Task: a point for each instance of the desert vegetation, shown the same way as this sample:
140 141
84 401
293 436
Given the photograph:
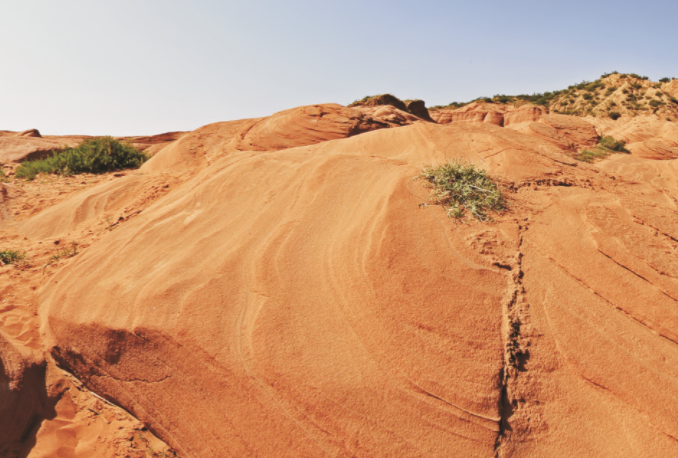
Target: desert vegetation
461 187
97 155
8 256
605 147
612 95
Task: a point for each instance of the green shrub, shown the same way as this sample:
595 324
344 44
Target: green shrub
453 105
12 256
655 103
96 155
665 80
29 170
673 99
634 75
614 145
581 85
615 115
459 187
606 146
358 102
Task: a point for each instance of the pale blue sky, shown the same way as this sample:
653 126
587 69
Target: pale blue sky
149 66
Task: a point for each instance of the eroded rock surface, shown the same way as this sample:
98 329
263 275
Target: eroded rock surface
281 287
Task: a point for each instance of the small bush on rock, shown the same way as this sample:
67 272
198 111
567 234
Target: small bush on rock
613 145
461 187
606 146
12 256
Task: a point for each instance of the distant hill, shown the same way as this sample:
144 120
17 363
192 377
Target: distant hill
611 95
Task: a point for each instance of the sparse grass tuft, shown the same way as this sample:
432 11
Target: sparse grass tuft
65 253
97 155
461 187
590 156
12 256
69 252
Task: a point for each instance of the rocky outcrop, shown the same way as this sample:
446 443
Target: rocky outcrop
526 113
418 108
287 129
380 100
18 148
473 112
413 107
153 143
30 133
568 132
493 113
30 145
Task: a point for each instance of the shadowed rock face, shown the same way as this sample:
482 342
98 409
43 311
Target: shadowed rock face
23 399
418 108
280 287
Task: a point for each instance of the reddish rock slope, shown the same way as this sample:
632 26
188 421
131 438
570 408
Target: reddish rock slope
300 126
280 287
302 303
